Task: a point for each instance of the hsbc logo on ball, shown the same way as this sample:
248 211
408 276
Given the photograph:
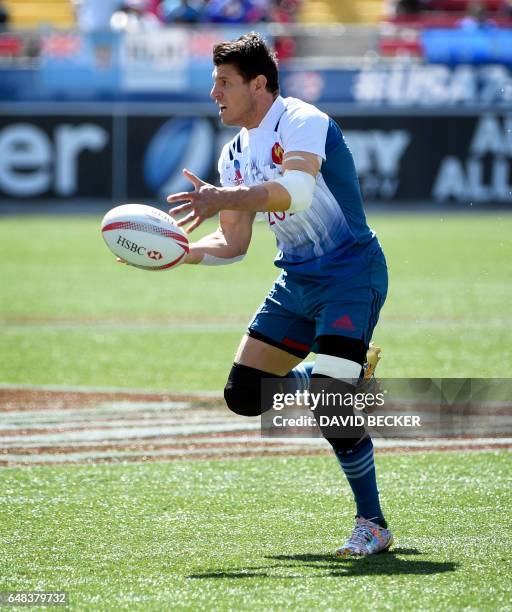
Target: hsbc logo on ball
155 255
46 156
133 247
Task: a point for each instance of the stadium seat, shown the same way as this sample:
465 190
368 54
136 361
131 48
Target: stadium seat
370 11
333 11
401 43
461 6
10 46
35 13
316 11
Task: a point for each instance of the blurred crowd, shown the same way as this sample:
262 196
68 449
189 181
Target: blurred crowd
93 15
4 17
477 11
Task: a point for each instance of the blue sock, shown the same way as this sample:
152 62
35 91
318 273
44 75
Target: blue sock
359 468
302 374
357 464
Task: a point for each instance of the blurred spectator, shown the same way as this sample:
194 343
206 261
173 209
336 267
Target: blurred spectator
283 11
477 16
261 10
153 6
284 47
235 11
227 11
94 15
133 17
410 7
184 12
507 8
4 17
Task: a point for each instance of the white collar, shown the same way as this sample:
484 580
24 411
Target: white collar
273 115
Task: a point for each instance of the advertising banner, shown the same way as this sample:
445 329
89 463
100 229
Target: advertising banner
474 44
465 160
175 65
173 61
55 157
403 85
78 66
158 148
155 62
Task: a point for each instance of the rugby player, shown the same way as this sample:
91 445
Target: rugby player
290 162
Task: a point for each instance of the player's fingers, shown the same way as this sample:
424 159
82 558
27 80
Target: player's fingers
184 196
195 180
190 217
194 225
176 211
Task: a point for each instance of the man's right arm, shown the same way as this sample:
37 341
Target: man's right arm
226 245
231 240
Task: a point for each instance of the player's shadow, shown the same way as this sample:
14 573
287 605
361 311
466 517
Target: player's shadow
385 564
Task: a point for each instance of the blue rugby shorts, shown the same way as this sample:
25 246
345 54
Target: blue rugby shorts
298 309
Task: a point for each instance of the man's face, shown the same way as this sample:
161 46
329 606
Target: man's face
233 96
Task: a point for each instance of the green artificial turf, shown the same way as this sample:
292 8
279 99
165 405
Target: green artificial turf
69 315
258 534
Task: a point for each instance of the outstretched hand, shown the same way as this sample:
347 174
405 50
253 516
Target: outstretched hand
200 204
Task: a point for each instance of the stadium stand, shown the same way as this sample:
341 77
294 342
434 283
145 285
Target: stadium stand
445 13
333 11
36 13
401 32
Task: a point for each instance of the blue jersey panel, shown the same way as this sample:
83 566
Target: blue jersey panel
340 175
352 243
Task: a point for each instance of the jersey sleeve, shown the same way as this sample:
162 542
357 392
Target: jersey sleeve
304 128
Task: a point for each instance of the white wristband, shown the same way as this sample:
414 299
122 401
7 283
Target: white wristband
213 260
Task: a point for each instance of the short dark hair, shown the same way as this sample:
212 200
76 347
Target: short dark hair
251 56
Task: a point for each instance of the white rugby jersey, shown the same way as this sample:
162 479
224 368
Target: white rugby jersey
334 226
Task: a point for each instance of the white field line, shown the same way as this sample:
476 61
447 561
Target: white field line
164 427
162 424
176 440
282 445
69 457
69 437
439 442
383 443
165 441
138 408
109 423
109 426
123 390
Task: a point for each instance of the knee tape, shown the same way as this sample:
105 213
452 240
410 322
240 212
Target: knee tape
339 357
337 368
243 390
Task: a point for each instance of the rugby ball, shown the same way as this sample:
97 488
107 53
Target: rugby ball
144 237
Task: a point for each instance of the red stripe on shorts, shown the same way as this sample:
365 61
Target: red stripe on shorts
298 346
